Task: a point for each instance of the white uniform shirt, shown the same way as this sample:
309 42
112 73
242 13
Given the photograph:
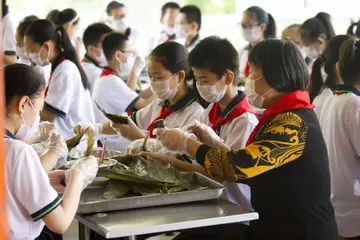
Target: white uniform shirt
192 44
340 123
67 98
45 70
113 95
185 112
235 134
30 196
92 71
320 100
9 30
161 38
243 59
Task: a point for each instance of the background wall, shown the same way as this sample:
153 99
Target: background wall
220 17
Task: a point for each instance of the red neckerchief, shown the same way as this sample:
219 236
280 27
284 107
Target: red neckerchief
47 89
163 114
292 101
107 72
170 38
216 120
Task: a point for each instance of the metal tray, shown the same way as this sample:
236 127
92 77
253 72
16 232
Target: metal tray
91 199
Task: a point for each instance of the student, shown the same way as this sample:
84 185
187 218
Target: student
67 98
351 31
292 198
256 25
69 19
315 33
32 200
340 121
94 59
8 35
176 101
325 77
190 25
169 15
229 115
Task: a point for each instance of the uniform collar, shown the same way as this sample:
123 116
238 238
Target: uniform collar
343 88
183 103
9 134
89 59
108 71
192 42
59 59
248 47
230 107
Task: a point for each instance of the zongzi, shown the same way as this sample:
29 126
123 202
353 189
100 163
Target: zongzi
73 142
115 118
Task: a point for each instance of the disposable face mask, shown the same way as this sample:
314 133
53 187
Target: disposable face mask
126 67
255 99
121 24
35 58
25 132
162 90
311 52
101 59
169 30
210 93
252 35
22 53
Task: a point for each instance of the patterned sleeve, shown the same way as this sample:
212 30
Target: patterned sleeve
279 142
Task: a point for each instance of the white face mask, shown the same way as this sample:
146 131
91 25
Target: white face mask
255 99
252 35
210 93
121 24
162 90
169 30
101 59
25 132
126 67
311 52
35 58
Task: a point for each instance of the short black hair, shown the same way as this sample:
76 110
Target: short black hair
60 18
282 64
217 55
317 26
113 5
24 24
22 80
192 13
94 32
349 62
169 5
113 42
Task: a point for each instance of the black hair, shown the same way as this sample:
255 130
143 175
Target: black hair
264 18
5 8
113 42
317 26
113 5
328 60
24 24
60 18
222 57
42 30
94 32
349 62
22 80
282 64
168 5
173 56
350 30
193 14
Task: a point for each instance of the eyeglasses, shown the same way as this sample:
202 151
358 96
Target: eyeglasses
130 53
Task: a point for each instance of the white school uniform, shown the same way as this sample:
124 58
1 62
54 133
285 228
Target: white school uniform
243 59
45 70
320 100
161 38
67 98
8 37
30 196
235 134
113 95
340 124
92 70
192 44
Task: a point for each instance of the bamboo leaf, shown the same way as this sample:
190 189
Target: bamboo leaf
115 118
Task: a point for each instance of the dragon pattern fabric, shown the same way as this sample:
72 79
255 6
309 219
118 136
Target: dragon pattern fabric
277 143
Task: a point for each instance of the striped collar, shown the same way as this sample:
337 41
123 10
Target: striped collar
343 89
108 71
192 42
183 103
8 134
88 59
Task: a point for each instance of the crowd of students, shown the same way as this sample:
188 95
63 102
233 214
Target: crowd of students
286 147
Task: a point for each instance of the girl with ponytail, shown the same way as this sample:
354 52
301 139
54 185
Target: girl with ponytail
67 98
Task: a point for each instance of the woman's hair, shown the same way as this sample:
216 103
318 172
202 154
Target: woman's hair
60 18
22 80
317 26
42 31
173 56
350 30
328 60
264 18
349 62
282 64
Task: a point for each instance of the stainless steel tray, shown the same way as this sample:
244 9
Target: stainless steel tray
91 199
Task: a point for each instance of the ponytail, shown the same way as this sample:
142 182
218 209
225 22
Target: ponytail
317 82
350 30
325 19
264 18
317 26
270 31
349 62
60 18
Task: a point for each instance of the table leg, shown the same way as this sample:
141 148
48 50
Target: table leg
81 228
132 237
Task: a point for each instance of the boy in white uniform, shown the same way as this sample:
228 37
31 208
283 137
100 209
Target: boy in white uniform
94 59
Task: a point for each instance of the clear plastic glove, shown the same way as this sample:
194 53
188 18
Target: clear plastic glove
139 65
174 139
84 170
152 145
56 180
44 130
129 131
95 128
204 133
56 143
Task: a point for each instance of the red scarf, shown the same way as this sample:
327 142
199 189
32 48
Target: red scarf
47 89
247 67
163 114
107 72
292 101
217 121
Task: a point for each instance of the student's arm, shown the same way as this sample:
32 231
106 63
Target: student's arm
47 115
141 103
146 93
49 160
9 59
134 76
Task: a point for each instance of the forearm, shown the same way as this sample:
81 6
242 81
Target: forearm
48 160
132 81
47 115
187 167
192 147
146 93
9 59
107 129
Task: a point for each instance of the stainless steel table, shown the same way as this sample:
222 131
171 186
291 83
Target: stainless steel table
130 223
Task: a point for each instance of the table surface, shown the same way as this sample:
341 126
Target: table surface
166 218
